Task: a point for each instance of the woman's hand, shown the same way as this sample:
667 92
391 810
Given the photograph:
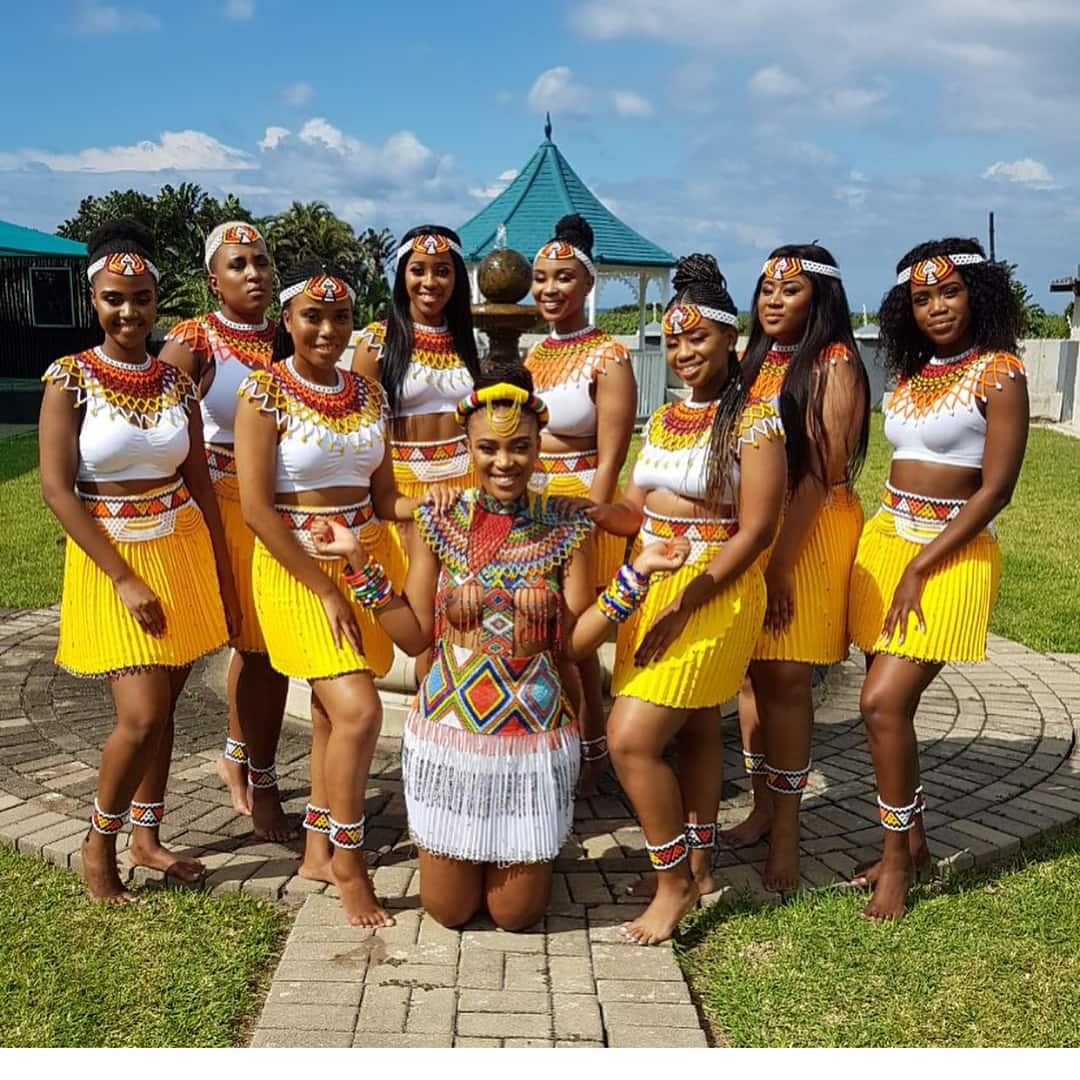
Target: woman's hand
780 588
906 601
570 505
234 617
662 556
332 538
669 624
342 619
143 603
441 497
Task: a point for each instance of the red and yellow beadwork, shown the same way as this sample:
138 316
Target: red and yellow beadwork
938 388
556 361
209 336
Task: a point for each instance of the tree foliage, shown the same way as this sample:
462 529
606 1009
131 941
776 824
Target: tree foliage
1037 321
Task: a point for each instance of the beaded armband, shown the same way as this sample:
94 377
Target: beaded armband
624 595
370 586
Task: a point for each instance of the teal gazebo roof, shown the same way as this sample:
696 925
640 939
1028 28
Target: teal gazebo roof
19 240
546 189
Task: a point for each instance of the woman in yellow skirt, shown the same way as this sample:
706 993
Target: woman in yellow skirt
146 570
927 570
711 469
802 355
587 383
219 350
311 441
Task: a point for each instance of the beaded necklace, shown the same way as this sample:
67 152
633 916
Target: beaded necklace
774 369
957 381
682 425
253 346
573 357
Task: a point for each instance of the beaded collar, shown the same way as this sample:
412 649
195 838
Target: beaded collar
433 346
774 368
575 357
122 365
682 424
314 387
242 327
954 382
214 335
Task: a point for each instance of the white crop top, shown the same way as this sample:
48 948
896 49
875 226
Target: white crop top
564 370
674 454
135 420
934 415
235 350
436 379
328 437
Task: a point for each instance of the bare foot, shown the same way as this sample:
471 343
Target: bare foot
269 821
658 921
316 870
591 771
752 830
781 872
702 875
357 896
149 851
865 875
234 776
99 870
890 892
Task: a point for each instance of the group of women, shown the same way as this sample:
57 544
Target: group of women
247 488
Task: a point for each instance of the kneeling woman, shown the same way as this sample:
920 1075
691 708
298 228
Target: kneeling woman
122 468
928 566
711 469
505 585
310 440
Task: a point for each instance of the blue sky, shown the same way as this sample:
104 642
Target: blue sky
727 128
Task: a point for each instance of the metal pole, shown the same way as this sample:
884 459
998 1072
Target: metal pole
993 255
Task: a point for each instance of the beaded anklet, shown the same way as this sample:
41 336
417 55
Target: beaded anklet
349 837
624 594
754 763
594 749
897 818
262 778
107 824
317 819
667 855
700 835
786 781
235 751
148 815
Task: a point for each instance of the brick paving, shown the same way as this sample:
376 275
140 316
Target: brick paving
1000 768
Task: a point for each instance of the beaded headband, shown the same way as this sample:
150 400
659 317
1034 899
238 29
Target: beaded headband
322 287
427 244
124 263
931 271
231 232
506 422
560 249
785 267
683 317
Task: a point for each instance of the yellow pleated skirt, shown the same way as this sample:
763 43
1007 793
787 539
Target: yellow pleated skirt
818 634
293 619
174 557
240 541
706 664
956 602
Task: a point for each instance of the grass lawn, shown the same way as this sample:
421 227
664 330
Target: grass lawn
179 969
978 961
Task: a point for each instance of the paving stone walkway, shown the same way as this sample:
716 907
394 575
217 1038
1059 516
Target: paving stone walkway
1000 767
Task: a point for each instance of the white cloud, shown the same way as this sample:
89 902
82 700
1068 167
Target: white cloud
503 97
273 136
853 103
91 18
240 10
774 81
182 150
297 94
496 187
1026 171
556 91
632 105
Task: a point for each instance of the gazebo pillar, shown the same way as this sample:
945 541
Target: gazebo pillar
643 286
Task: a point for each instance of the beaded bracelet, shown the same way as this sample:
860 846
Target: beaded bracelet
624 595
370 586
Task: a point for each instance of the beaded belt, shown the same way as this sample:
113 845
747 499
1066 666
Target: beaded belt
221 462
429 462
705 534
919 518
132 518
579 463
300 518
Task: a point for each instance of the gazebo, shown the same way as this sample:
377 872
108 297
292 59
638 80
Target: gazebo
546 189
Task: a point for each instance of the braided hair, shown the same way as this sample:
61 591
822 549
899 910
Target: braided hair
398 347
996 314
301 271
698 280
802 398
120 234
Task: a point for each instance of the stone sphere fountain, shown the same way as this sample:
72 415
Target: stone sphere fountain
504 277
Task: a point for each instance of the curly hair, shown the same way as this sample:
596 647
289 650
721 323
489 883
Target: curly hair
995 311
698 280
802 398
301 271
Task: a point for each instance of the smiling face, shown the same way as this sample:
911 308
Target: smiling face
943 313
320 331
241 275
560 288
126 307
700 355
783 308
503 463
429 283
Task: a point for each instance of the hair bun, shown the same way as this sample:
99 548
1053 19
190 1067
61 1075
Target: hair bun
697 269
576 231
121 234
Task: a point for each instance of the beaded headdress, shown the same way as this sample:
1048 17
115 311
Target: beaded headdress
427 244
323 287
506 421
785 267
124 263
934 270
560 249
230 232
683 317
